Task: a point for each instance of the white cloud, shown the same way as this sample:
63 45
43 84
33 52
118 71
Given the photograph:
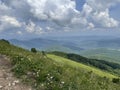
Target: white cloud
30 27
104 19
39 30
79 22
101 4
41 16
97 11
19 32
8 22
57 11
49 28
3 8
86 10
90 26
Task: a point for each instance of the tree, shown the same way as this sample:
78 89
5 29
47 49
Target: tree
33 50
43 54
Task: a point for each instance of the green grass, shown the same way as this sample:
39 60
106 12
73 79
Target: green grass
55 73
80 65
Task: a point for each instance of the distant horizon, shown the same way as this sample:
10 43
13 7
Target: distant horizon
49 37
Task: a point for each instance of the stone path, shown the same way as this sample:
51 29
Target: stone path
7 80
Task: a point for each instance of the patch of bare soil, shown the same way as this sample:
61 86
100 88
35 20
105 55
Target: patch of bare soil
7 79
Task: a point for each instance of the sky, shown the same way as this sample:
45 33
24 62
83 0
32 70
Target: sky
35 18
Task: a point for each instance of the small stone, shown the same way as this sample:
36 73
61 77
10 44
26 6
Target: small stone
7 78
9 84
13 84
16 81
3 70
1 87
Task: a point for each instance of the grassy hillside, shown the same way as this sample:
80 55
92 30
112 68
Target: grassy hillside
56 73
101 64
80 65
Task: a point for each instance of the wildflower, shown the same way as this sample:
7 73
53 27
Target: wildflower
51 77
42 85
62 82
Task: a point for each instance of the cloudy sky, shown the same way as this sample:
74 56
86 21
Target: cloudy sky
34 18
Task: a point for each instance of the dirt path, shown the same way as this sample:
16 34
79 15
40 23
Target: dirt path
7 80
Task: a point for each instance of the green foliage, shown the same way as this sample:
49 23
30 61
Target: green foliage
116 80
53 72
21 65
33 50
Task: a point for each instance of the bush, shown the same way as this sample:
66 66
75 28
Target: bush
21 65
115 80
33 50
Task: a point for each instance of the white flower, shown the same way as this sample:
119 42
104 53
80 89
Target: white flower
62 82
51 77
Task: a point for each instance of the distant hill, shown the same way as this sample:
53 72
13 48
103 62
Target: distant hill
70 44
47 44
91 42
112 55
